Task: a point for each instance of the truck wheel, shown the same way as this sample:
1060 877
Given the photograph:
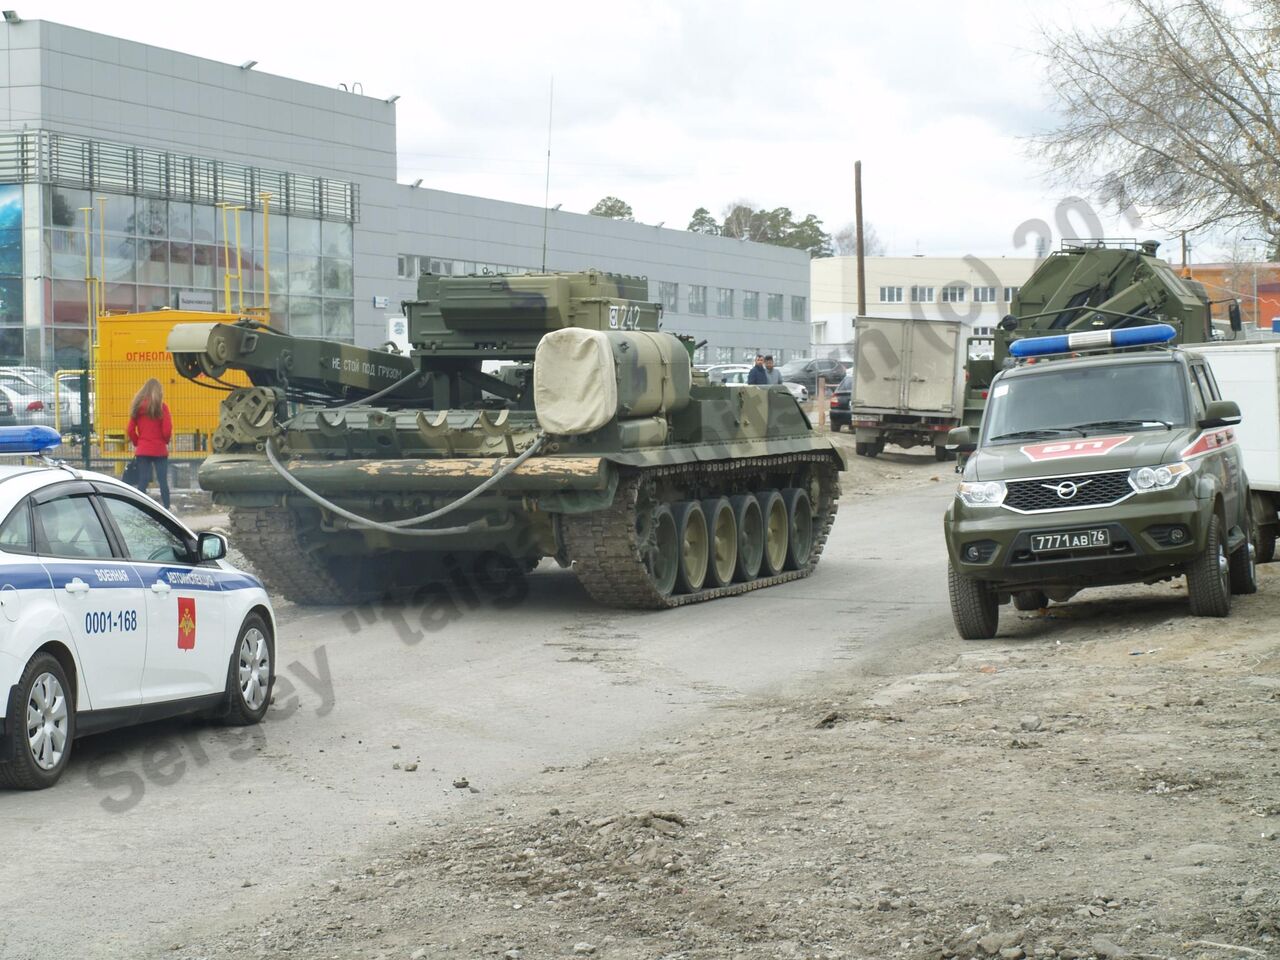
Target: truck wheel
974 606
860 448
1208 577
835 426
1030 600
1266 539
1242 565
874 449
941 454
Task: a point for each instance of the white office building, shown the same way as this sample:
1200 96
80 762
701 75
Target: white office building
972 290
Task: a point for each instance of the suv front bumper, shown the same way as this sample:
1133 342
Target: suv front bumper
1148 533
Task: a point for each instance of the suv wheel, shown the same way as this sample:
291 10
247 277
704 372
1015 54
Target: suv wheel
1208 576
974 606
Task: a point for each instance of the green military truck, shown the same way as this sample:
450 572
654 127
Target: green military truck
1115 462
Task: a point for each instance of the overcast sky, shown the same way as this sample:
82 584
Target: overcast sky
674 106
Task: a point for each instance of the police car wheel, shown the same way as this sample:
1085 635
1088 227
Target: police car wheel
39 748
1208 578
251 674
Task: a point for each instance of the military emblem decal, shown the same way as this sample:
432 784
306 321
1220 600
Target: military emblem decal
186 623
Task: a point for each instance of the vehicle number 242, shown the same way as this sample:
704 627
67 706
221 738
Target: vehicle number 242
624 318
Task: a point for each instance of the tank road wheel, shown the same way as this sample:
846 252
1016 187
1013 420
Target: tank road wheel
1208 576
975 608
799 527
723 530
691 534
662 551
774 511
750 522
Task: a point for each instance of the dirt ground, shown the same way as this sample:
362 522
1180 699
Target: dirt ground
1100 783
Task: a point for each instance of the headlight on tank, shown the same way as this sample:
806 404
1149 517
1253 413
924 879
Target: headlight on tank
1148 479
985 493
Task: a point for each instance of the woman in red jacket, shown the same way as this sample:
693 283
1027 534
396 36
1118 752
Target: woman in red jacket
150 428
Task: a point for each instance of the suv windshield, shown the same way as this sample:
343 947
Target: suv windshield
1080 400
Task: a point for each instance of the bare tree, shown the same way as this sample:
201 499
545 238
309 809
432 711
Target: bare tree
1174 108
845 241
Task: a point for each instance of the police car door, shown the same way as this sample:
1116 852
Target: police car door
189 650
99 594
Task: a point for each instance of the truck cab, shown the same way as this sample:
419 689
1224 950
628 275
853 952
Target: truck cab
1102 458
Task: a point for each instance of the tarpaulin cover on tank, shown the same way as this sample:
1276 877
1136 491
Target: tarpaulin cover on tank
575 389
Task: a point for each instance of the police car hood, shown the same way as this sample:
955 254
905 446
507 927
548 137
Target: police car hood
1067 456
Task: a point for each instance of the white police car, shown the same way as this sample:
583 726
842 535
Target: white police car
113 613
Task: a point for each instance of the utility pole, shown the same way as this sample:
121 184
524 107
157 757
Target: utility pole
861 248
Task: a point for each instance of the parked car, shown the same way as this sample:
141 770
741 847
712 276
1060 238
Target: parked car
807 372
31 405
120 615
739 378
47 384
840 413
722 372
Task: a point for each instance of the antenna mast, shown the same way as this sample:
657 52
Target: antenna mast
546 193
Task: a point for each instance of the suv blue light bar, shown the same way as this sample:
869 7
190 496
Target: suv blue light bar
28 439
1143 336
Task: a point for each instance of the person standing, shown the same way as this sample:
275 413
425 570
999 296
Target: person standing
775 376
150 428
758 376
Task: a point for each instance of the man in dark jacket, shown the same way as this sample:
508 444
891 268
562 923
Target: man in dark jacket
758 376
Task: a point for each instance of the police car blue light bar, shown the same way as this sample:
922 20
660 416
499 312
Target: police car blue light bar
1143 336
35 439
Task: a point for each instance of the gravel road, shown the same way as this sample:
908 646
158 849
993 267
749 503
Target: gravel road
816 770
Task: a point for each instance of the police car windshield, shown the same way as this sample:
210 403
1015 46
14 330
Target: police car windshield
1087 399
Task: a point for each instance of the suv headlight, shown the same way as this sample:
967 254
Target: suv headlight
985 493
1147 479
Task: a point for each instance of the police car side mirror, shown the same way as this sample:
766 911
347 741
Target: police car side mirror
1220 413
962 440
211 546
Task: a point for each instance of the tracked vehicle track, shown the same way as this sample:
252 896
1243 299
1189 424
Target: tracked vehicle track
606 548
273 539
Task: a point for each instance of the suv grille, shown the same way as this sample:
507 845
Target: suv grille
1090 490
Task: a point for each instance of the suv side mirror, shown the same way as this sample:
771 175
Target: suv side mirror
962 440
211 546
1220 413
1233 316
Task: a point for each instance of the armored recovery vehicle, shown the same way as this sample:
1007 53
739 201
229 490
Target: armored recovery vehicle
1093 286
534 416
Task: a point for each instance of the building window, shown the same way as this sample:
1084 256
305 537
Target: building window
984 294
820 332
798 312
953 294
890 294
775 306
724 354
404 270
751 304
700 354
984 331
1010 293
749 354
698 299
724 303
922 294
669 295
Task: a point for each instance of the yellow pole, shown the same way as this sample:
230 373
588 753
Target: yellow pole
102 253
239 265
88 265
266 254
226 261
